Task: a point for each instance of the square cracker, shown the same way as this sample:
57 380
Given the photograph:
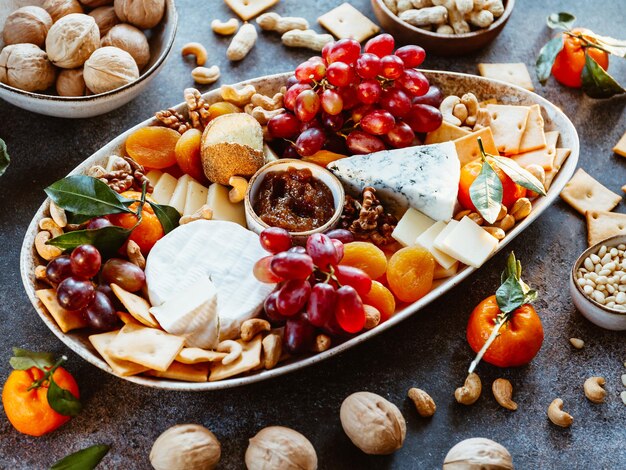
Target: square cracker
602 225
467 147
124 368
543 156
584 194
186 372
445 133
559 159
196 355
508 124
149 347
515 73
534 137
345 22
247 9
250 358
137 306
66 319
620 147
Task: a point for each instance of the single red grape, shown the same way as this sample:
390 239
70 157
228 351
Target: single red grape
325 50
412 56
307 105
413 81
392 67
355 277
292 93
291 265
98 222
284 126
378 122
400 136
58 269
344 50
125 274
380 45
271 310
293 296
341 234
74 293
310 141
291 152
339 249
396 101
310 70
368 91
321 305
360 111
340 74
424 118
263 271
321 249
292 80
100 313
334 123
275 240
348 95
368 66
432 97
332 102
299 335
360 142
85 261
349 312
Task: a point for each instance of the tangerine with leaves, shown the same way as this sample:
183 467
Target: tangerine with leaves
149 230
569 63
410 273
511 191
153 146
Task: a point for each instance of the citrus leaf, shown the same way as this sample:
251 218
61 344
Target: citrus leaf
486 193
546 58
107 239
597 83
167 215
562 20
4 157
61 400
85 459
510 295
519 175
512 268
614 46
23 359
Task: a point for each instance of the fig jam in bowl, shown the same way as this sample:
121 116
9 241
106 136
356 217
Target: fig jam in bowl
301 197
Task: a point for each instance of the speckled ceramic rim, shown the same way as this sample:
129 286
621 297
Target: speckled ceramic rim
610 243
454 83
508 9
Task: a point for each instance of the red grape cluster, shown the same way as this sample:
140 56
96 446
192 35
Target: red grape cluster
315 293
349 101
76 291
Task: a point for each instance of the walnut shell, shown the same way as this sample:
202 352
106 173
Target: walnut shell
478 452
26 66
72 39
70 82
109 68
372 423
27 24
129 39
280 448
60 8
105 19
144 14
186 447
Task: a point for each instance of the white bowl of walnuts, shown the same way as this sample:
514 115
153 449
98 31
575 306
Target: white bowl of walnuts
81 58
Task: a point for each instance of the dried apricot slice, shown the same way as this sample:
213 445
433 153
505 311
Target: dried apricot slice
381 298
222 107
410 273
365 256
153 147
188 154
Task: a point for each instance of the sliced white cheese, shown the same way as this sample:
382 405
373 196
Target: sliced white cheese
427 240
441 273
180 193
154 176
437 243
192 314
223 209
469 243
164 189
196 197
412 224
223 251
424 177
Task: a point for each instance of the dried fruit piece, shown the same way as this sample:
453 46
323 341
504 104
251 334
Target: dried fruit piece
381 298
365 256
153 147
410 273
188 154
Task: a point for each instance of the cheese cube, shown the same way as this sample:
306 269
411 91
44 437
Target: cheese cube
180 193
443 234
223 209
441 273
469 243
196 197
153 176
427 239
412 224
164 189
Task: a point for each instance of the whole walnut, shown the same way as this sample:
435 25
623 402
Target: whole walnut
26 66
70 82
72 39
27 24
186 447
129 39
280 448
144 14
105 19
60 8
96 3
109 68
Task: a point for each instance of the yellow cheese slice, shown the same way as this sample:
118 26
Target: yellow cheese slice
164 189
223 209
196 197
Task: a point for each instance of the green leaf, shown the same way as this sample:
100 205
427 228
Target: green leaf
107 239
510 295
4 157
486 193
77 219
87 196
547 56
62 401
85 459
23 359
168 216
562 20
597 83
614 46
518 174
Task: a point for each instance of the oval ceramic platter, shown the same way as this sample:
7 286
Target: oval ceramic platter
450 83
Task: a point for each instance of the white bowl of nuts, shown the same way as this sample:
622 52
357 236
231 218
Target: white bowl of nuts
78 59
598 283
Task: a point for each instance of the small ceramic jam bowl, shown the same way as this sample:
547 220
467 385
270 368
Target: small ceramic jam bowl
594 311
257 225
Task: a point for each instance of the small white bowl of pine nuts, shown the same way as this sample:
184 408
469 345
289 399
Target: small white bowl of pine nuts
598 283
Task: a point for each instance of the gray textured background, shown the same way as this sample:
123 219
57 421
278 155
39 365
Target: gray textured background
429 350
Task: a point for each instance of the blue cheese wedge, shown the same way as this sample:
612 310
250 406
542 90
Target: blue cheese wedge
425 177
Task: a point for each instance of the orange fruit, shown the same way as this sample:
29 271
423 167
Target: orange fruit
148 232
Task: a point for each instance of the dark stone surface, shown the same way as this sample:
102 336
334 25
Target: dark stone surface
429 350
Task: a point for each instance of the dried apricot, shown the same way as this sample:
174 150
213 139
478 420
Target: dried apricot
365 256
323 157
222 107
153 147
381 298
410 273
188 154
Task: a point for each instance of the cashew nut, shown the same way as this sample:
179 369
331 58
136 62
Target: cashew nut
372 317
503 393
461 214
58 214
239 97
262 115
593 389
447 109
206 75
307 38
577 343
196 49
521 208
238 192
495 232
507 223
322 343
134 254
41 275
476 218
538 172
281 24
252 327
204 213
242 42
225 28
272 350
471 103
470 391
558 416
460 112
233 348
483 119
50 225
266 102
424 404
436 15
47 252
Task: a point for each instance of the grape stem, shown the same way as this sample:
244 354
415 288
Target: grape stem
47 374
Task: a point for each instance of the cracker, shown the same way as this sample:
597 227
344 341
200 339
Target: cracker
508 124
543 156
124 368
534 137
149 347
196 355
467 147
186 372
66 319
559 159
620 147
247 9
445 133
584 194
602 225
515 73
345 22
137 306
127 318
249 359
